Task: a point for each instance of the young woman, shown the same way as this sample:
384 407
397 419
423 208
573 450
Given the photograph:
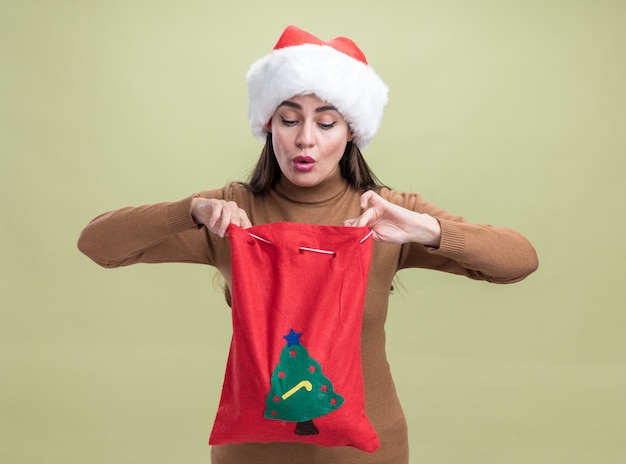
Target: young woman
316 104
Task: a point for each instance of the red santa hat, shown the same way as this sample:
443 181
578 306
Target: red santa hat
335 70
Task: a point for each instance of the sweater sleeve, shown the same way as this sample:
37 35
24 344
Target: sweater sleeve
478 251
157 233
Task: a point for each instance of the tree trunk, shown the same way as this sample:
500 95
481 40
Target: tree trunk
306 428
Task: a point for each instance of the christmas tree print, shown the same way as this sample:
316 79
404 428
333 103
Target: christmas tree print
300 392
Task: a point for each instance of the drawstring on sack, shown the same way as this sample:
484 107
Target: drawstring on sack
367 236
260 238
315 250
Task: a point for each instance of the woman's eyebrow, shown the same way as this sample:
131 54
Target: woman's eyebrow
290 104
321 109
297 106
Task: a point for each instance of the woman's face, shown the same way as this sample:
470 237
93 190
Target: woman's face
309 137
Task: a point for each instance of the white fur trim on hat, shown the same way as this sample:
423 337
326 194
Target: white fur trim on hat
333 76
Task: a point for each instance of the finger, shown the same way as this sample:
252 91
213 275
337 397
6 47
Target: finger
244 220
364 219
215 213
368 198
236 217
226 219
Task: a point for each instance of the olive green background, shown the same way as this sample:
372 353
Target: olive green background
508 112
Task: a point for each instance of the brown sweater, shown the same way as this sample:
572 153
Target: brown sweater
166 232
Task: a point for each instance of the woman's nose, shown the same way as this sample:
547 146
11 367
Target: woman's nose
305 137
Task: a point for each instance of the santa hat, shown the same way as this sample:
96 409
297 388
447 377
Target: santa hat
336 71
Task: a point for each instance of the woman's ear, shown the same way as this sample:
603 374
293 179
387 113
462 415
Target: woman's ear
269 126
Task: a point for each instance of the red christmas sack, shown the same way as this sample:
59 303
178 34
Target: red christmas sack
294 367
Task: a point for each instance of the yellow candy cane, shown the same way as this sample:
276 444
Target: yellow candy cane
304 384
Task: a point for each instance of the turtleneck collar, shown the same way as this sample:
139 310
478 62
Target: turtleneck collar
323 192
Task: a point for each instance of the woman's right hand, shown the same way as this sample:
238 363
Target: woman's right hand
218 214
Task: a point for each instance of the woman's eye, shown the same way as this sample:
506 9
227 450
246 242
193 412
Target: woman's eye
288 122
327 125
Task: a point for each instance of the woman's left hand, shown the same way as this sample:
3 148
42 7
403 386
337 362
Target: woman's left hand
394 224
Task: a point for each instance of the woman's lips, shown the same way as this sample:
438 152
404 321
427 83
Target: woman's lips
303 163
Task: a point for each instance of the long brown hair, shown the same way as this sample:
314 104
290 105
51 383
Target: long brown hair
352 166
